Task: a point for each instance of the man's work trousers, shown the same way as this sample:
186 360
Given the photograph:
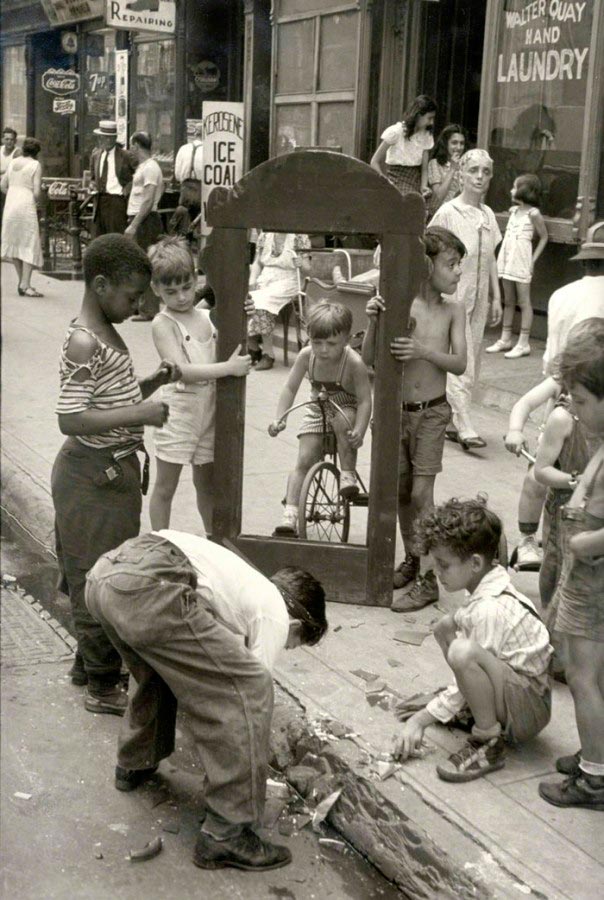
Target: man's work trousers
144 595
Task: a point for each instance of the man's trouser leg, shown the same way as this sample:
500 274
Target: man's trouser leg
88 521
144 593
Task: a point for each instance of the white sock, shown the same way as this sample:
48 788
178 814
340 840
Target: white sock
592 768
523 339
291 510
485 734
506 335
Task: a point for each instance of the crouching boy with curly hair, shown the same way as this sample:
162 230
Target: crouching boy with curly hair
495 643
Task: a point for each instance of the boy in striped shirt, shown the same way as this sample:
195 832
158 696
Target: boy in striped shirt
495 643
96 477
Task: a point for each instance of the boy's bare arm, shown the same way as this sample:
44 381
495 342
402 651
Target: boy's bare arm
373 309
558 428
549 389
290 389
362 391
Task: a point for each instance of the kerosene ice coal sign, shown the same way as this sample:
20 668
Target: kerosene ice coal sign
142 15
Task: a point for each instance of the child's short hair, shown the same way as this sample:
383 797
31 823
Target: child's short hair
143 139
582 360
115 256
326 319
171 260
305 601
463 526
437 239
528 189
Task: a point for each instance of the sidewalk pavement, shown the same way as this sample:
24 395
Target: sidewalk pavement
490 838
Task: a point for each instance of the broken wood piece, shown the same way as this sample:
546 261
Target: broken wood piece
149 851
323 809
366 676
414 636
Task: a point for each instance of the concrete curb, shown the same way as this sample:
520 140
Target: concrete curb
392 840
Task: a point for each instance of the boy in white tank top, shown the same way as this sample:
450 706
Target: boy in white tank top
184 333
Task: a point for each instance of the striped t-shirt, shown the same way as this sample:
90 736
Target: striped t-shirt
111 383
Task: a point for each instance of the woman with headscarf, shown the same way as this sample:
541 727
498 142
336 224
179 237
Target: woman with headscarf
475 225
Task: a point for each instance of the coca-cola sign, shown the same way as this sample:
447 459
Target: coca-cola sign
60 81
60 188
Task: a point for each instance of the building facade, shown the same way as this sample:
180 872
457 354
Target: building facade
524 78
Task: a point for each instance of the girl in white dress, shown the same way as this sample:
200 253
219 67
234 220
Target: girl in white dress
516 262
22 184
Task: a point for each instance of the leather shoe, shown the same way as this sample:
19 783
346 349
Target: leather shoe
129 779
243 851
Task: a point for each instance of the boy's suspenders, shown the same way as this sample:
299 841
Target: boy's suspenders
526 606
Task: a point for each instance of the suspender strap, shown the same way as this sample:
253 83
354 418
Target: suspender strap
527 606
192 169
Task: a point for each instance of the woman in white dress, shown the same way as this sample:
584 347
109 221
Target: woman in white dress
273 284
22 184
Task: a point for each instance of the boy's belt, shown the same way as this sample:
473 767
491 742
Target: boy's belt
424 404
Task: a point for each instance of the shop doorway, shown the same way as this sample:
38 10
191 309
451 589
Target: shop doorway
53 129
451 39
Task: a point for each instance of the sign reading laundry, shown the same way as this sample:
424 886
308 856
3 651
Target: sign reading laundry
142 15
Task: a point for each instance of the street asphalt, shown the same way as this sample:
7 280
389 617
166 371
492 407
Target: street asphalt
496 831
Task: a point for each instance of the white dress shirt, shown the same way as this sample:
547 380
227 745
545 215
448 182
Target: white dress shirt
184 159
242 598
113 185
573 303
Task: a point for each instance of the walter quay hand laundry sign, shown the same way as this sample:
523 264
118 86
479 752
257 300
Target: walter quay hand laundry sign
142 15
546 40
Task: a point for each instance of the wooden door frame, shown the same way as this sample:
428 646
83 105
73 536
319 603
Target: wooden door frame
316 191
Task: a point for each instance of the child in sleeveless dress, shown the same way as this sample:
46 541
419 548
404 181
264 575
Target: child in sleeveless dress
580 617
185 334
331 366
516 262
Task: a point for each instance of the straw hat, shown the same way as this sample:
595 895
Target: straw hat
593 245
107 128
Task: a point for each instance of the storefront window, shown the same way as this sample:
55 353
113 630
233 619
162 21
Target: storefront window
293 128
316 71
99 86
153 97
539 101
14 89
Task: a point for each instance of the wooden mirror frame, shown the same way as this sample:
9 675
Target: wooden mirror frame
321 192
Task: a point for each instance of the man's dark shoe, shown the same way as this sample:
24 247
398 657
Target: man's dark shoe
130 779
580 790
569 765
244 851
423 592
77 673
113 700
406 572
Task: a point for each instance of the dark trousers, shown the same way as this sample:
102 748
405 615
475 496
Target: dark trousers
110 215
148 233
89 520
143 594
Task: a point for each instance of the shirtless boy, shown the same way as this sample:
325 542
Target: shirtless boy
435 344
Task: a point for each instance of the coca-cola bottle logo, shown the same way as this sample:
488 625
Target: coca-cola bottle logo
60 81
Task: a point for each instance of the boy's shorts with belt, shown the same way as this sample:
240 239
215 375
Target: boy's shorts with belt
423 436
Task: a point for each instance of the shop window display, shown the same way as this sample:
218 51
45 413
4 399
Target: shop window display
153 97
14 88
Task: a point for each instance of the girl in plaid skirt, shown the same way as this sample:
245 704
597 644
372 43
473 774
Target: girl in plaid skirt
406 145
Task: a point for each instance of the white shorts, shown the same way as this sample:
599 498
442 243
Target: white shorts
188 435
